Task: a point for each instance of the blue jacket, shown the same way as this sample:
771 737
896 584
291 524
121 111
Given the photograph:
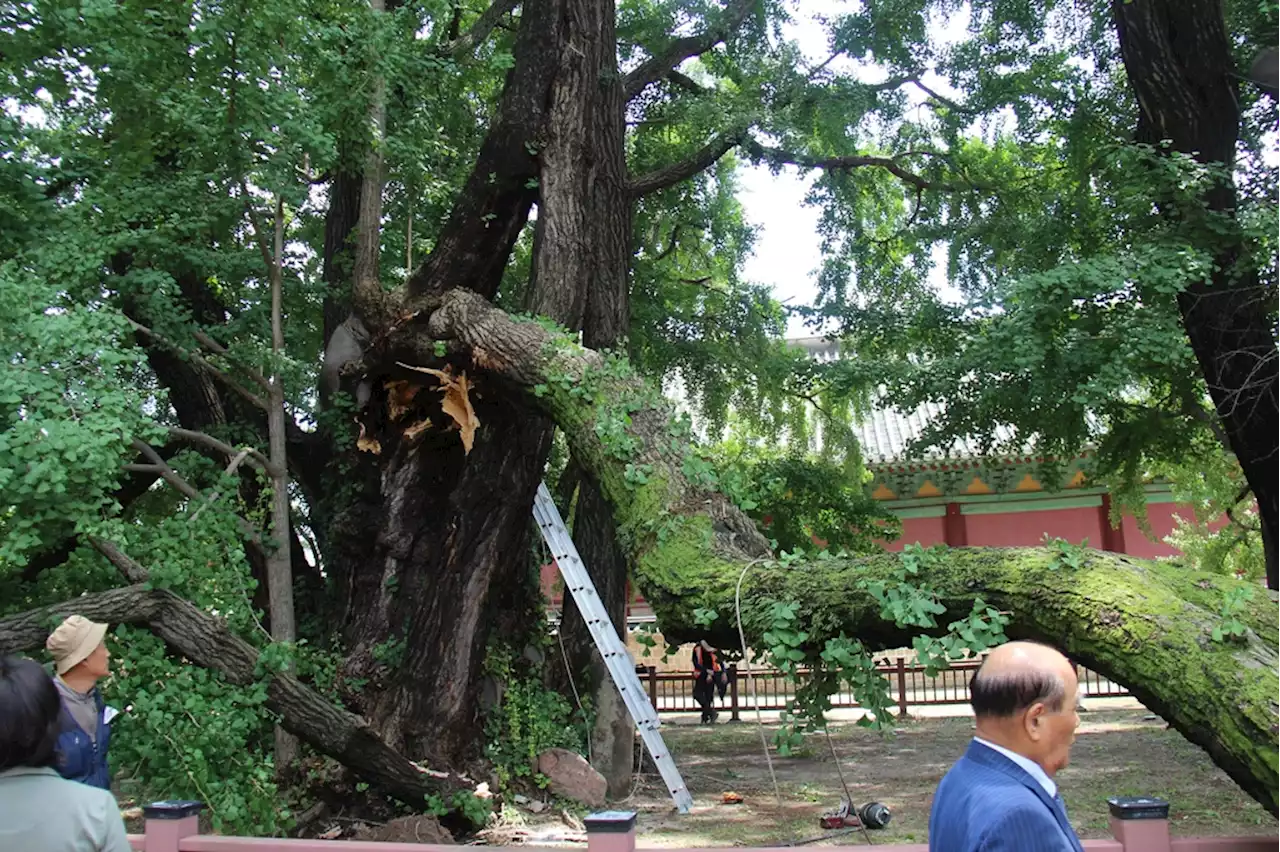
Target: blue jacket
81 757
987 803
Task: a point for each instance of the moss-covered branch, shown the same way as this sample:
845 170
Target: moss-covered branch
661 491
1148 626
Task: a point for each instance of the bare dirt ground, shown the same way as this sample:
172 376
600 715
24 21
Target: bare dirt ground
1117 753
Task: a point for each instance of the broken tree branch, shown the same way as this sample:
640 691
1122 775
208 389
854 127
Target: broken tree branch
942 99
1147 625
132 571
255 457
200 360
776 156
686 82
218 349
161 468
206 641
130 489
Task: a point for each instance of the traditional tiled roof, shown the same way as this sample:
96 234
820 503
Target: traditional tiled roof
886 433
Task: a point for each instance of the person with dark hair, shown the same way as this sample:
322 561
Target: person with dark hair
1001 796
39 810
707 674
81 659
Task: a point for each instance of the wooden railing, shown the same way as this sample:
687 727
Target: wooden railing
672 692
174 827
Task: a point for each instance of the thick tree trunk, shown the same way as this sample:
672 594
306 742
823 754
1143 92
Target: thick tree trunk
452 530
443 571
1144 625
475 243
1178 59
449 530
605 255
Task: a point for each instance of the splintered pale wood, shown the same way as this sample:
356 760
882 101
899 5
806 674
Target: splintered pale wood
457 402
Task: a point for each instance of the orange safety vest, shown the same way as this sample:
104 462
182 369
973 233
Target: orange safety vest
701 653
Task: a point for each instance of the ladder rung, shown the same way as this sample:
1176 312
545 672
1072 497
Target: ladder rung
608 642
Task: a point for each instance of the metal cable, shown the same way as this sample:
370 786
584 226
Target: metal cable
751 677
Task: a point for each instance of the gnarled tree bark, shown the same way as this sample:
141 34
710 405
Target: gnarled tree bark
1177 56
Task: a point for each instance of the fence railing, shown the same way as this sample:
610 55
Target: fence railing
174 827
909 685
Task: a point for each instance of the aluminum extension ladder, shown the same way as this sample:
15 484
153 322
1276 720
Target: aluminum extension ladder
616 660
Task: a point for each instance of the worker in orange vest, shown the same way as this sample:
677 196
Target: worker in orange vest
707 673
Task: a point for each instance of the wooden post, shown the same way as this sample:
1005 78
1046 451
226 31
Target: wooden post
167 823
902 688
733 693
653 687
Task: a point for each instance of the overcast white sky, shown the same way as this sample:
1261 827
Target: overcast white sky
787 252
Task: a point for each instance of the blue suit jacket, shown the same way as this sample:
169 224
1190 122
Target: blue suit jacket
987 803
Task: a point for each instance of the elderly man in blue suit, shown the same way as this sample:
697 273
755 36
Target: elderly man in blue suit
1001 796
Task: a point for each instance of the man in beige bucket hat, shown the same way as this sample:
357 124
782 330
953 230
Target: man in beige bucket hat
81 659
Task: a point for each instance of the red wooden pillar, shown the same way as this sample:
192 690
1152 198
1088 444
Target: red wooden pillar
1112 539
953 528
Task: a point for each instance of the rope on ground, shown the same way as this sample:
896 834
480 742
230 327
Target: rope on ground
751 677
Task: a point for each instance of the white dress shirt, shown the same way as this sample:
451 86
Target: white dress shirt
1032 768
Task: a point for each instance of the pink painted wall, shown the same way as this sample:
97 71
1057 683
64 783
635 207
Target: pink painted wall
1161 517
1029 528
923 531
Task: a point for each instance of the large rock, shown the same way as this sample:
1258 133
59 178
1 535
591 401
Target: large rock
572 777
